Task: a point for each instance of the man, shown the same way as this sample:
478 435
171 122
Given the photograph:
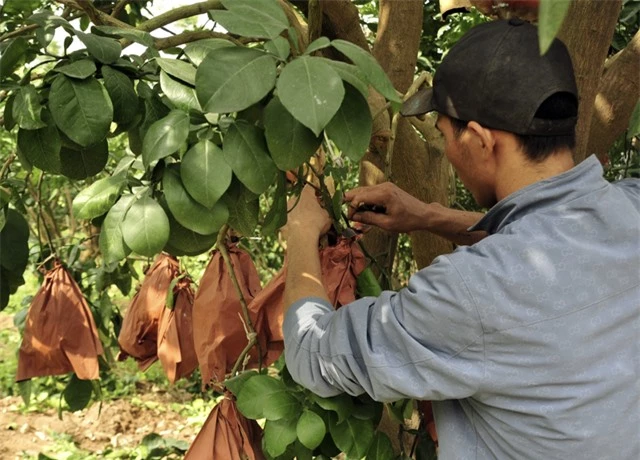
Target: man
528 340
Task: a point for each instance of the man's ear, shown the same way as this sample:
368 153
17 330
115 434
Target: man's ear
484 136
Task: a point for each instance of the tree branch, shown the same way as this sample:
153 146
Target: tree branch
179 13
188 37
617 97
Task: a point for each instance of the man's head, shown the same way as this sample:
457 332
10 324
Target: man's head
494 89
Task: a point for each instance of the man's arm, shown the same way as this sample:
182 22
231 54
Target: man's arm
404 213
306 222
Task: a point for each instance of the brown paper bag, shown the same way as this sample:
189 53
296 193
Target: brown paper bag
340 264
175 334
60 335
218 328
227 435
138 336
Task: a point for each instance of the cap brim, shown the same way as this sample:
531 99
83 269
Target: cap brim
419 103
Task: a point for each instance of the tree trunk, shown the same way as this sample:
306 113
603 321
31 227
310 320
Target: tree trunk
619 93
587 31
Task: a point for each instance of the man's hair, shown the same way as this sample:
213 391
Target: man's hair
537 148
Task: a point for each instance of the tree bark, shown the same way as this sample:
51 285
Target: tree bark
618 95
587 32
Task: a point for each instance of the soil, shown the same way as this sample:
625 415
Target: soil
120 424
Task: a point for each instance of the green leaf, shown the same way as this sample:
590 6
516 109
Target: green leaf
135 35
98 198
310 429
244 208
83 162
145 227
249 18
14 242
341 404
105 50
381 448
77 393
9 121
353 436
46 19
81 109
369 67
182 96
318 44
277 215
178 69
198 50
350 74
27 109
24 388
278 435
279 47
80 69
111 242
551 14
290 142
267 397
634 123
122 95
165 136
235 384
12 56
205 173
245 150
5 292
187 211
230 79
41 148
311 91
351 126
367 284
184 242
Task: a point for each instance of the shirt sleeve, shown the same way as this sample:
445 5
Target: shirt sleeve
424 341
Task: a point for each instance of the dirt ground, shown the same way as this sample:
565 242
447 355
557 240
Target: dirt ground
121 424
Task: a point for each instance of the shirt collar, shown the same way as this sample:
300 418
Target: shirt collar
549 192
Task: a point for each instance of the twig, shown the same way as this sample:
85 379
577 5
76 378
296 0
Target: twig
251 332
119 7
97 17
5 166
188 37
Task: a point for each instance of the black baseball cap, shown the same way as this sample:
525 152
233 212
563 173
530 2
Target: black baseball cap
496 76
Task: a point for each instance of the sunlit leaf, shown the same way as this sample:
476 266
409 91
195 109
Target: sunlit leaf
278 434
311 91
182 96
231 79
267 397
178 69
551 14
98 198
251 18
279 47
27 109
318 44
165 136
310 429
353 436
369 67
135 35
198 50
12 56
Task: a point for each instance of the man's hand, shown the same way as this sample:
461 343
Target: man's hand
306 216
397 210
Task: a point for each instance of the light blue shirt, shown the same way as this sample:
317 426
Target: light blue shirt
528 342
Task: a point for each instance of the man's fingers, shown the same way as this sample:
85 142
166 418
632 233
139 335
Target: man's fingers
371 218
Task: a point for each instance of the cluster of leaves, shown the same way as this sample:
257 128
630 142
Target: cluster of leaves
300 424
209 132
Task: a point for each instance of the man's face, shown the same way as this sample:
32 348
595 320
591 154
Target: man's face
463 153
